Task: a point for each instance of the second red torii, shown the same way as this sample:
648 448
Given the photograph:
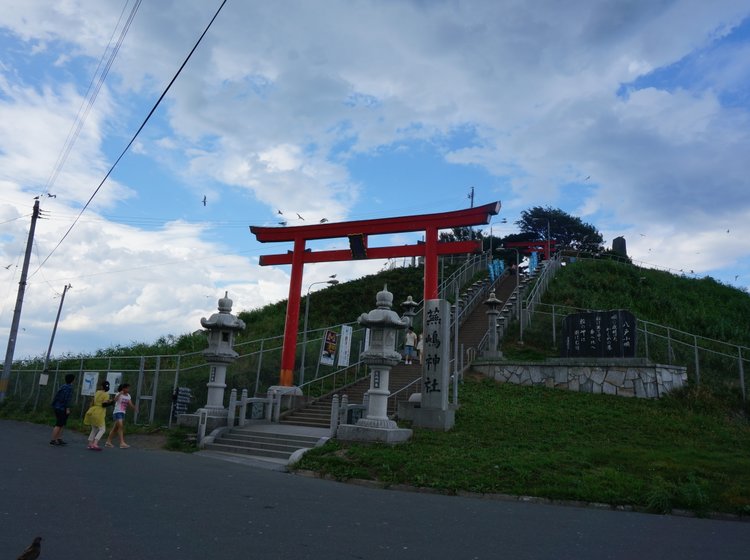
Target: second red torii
358 232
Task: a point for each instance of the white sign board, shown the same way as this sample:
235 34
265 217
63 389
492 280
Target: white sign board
345 345
90 380
114 378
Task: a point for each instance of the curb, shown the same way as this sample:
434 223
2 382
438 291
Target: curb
377 485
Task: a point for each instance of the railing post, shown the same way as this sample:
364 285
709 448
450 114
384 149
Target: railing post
697 363
334 415
232 408
138 387
742 372
645 338
243 408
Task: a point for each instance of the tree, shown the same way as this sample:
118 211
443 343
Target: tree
570 232
463 233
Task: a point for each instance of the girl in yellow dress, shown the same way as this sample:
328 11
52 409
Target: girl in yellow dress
95 415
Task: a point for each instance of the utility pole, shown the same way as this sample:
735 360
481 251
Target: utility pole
470 196
54 329
8 364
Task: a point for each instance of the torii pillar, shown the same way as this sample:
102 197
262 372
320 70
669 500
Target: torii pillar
358 233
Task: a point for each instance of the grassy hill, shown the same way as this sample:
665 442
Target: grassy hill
690 450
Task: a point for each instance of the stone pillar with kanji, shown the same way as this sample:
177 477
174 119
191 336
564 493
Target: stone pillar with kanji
434 411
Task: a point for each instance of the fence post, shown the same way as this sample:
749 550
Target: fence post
155 391
742 372
669 346
697 363
260 361
554 327
645 338
139 386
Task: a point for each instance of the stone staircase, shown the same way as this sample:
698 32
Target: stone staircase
475 327
268 442
318 413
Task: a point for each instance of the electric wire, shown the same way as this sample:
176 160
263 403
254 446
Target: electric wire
130 143
89 100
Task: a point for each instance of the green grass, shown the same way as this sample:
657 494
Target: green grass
656 455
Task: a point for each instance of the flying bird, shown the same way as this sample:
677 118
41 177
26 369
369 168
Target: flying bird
204 200
736 276
323 220
7 267
587 178
282 223
332 276
51 195
642 234
33 550
279 212
727 231
300 217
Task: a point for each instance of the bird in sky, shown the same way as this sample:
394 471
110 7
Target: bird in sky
736 276
51 195
204 200
32 551
279 212
323 220
727 231
642 234
7 267
282 223
332 276
587 177
300 217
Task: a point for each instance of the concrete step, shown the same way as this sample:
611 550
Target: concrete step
265 445
271 439
246 450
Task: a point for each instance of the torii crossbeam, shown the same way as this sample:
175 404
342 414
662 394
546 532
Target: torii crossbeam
358 232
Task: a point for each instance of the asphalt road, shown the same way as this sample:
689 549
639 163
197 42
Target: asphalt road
144 503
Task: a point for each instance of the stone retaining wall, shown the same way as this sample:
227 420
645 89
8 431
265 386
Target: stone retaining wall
612 378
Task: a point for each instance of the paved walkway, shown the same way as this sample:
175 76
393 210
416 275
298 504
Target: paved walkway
144 503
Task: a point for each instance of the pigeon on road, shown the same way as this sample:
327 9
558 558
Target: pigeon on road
33 550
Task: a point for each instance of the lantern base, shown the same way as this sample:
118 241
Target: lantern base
391 436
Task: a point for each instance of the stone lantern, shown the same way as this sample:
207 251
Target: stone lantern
381 356
409 310
221 328
492 304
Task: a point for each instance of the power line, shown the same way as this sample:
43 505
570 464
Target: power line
82 115
137 132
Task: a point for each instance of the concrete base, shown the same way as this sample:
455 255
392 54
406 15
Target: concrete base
191 421
434 418
391 436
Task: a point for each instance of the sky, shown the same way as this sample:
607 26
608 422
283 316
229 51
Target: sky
632 115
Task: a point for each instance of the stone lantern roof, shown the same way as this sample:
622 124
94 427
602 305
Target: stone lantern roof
383 316
223 320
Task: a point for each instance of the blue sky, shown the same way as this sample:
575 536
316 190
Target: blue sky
632 115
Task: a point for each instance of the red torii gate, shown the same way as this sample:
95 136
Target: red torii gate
545 246
357 232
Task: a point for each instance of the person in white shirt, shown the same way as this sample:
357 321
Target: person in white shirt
122 403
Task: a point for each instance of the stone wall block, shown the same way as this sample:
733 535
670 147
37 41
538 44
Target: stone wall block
609 388
561 374
625 393
615 376
597 375
640 389
573 385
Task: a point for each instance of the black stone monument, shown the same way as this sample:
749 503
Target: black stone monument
599 334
